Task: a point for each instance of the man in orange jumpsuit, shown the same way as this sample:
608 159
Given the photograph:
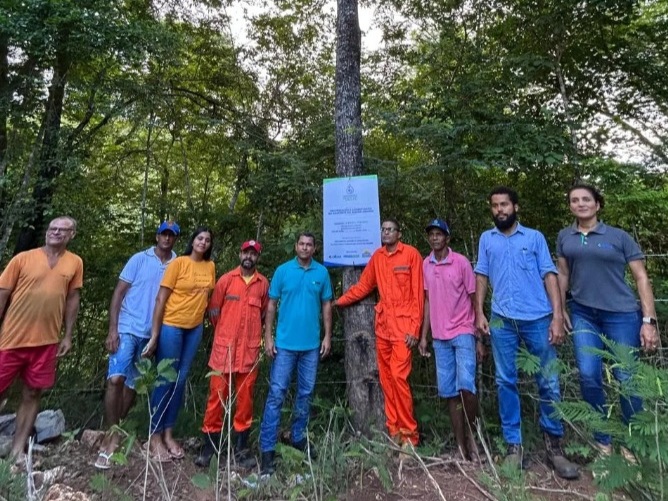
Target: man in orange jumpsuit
236 309
396 271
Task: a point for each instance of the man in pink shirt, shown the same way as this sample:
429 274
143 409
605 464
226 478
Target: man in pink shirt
449 311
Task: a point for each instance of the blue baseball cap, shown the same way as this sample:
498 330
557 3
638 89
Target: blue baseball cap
438 224
169 226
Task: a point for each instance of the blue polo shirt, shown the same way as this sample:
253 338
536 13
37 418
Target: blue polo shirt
516 266
300 292
143 272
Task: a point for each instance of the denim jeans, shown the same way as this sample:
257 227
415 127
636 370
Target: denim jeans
282 369
455 365
180 345
123 362
590 325
506 336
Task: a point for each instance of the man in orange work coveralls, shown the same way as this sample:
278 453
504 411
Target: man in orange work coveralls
396 271
236 309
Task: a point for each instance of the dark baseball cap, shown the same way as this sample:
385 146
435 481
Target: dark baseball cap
438 224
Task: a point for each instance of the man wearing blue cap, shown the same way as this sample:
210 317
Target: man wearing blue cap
449 311
130 316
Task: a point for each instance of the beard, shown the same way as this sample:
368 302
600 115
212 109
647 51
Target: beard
505 224
247 264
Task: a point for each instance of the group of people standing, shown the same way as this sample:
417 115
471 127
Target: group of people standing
160 301
158 308
529 306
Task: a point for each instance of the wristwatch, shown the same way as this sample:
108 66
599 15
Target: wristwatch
649 320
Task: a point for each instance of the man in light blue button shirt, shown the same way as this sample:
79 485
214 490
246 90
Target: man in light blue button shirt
130 317
526 306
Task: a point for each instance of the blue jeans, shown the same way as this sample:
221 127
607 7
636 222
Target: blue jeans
506 336
455 365
180 345
282 370
590 325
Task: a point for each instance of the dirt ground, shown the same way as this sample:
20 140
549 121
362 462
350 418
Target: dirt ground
411 479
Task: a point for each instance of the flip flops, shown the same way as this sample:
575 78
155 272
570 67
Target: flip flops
176 453
156 456
103 461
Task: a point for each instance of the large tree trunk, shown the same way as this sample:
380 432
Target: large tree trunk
365 397
50 158
4 115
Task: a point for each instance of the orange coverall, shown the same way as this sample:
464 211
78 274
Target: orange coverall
236 347
398 278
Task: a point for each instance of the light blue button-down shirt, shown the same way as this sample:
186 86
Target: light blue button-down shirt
516 266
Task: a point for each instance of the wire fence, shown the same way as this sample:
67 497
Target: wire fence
82 379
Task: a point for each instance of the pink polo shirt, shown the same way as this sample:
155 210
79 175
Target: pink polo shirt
449 284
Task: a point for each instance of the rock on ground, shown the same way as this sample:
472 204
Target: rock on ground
92 438
49 424
7 424
61 492
5 445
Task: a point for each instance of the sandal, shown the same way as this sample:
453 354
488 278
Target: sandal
156 456
103 461
176 453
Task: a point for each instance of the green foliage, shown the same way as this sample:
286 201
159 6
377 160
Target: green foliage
151 375
507 484
103 485
12 485
342 458
646 435
201 481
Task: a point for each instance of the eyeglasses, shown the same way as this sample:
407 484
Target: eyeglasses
388 230
59 230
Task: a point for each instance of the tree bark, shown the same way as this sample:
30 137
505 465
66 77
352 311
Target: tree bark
4 116
49 163
365 397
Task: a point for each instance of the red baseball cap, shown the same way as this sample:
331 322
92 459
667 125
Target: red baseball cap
252 244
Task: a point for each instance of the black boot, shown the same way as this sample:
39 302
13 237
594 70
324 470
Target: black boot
558 460
209 448
268 466
242 454
514 456
306 447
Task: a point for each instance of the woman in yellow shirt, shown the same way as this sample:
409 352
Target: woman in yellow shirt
176 333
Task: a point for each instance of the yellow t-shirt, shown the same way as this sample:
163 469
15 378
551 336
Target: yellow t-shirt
191 283
36 308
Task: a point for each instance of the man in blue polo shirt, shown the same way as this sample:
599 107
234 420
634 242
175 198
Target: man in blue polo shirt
130 316
305 293
526 306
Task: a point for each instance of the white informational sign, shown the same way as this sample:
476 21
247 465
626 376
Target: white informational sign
351 219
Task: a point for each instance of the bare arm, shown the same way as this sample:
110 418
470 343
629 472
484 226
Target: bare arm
326 345
556 331
269 348
480 349
563 280
426 325
120 291
480 294
4 297
158 315
649 334
71 311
